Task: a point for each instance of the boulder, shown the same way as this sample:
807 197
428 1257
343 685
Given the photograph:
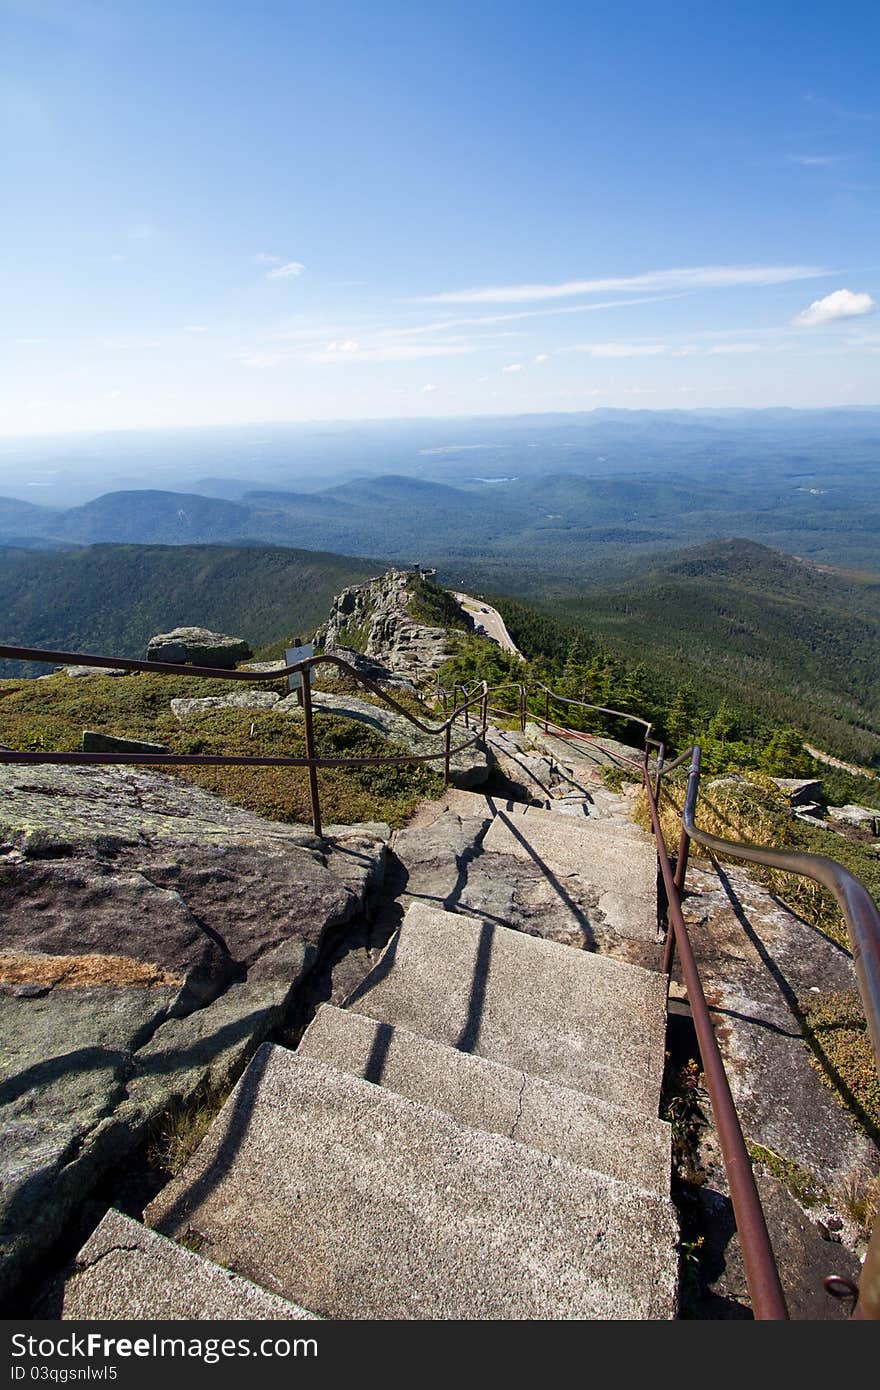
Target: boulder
78 671
96 742
371 669
469 765
151 936
197 646
860 817
236 699
800 791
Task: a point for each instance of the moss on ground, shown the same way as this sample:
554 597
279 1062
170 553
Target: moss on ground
50 715
801 1182
755 811
839 1032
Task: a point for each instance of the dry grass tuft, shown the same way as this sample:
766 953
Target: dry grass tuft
181 1129
80 972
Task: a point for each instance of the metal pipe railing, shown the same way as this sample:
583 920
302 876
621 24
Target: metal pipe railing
862 920
762 1276
859 910
312 761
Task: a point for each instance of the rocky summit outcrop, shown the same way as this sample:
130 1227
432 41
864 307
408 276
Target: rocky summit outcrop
196 646
152 935
379 620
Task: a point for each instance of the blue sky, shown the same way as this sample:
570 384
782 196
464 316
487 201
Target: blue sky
218 213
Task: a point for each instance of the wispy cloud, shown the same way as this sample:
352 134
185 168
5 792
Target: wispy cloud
623 349
289 270
487 320
814 160
846 113
650 349
842 304
196 328
687 278
353 351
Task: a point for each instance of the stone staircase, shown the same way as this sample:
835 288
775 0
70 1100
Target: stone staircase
473 1133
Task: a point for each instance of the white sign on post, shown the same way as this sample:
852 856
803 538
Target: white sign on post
291 656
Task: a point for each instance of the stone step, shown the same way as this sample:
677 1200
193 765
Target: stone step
358 1203
614 824
495 1098
619 866
126 1271
572 1017
593 753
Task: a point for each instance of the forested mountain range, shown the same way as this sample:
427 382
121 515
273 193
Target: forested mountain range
793 641
110 599
780 638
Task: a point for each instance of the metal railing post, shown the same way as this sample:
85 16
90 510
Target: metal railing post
684 843
546 711
446 755
661 756
522 708
310 750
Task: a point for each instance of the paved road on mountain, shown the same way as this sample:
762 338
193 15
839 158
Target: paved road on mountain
490 620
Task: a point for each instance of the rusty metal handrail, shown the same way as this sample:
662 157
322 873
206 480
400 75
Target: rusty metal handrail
862 920
168 668
311 761
859 910
600 709
762 1275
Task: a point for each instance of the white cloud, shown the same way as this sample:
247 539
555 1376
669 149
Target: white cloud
196 328
442 325
428 387
290 270
623 349
540 357
688 278
723 349
266 258
813 160
841 304
259 359
347 345
388 352
514 367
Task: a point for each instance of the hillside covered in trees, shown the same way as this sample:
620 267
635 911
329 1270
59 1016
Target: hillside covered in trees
110 599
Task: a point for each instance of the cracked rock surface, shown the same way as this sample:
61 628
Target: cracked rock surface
760 964
151 935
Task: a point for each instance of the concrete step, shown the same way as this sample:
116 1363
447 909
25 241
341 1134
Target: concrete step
615 823
620 866
571 1017
587 754
495 1098
126 1271
358 1203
